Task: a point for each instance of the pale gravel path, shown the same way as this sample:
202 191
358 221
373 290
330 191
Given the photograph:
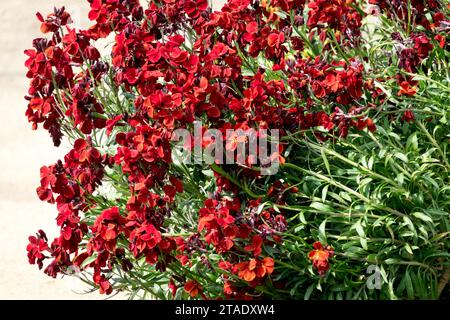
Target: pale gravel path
23 152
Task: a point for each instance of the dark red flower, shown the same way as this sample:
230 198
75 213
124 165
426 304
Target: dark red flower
193 8
38 244
408 116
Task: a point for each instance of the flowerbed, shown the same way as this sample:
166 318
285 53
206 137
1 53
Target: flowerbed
352 97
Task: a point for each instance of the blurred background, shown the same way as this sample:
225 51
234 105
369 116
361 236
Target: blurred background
23 152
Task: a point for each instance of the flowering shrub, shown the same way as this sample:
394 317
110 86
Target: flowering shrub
358 92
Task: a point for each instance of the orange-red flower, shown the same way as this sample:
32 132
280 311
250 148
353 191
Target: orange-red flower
406 89
193 288
320 256
254 269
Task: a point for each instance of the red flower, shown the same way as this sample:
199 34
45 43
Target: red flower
275 39
406 89
104 285
145 237
320 256
422 45
441 40
337 14
408 116
255 246
194 8
234 141
370 125
91 53
111 123
247 270
132 76
333 82
193 288
216 219
173 288
36 247
107 228
55 20
254 269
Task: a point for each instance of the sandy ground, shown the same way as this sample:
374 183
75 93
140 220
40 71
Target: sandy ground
23 152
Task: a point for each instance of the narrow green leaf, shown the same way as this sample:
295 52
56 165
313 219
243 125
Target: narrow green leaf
322 232
309 292
325 161
401 156
422 216
324 192
409 285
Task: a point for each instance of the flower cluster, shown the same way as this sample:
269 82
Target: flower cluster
418 9
338 15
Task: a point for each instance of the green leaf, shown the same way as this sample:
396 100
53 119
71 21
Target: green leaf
214 257
409 286
401 156
322 232
372 258
400 178
370 163
345 196
302 217
324 192
309 291
321 207
408 249
88 261
422 216
391 261
325 161
362 235
412 142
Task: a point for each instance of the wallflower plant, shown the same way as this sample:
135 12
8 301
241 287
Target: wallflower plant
359 92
